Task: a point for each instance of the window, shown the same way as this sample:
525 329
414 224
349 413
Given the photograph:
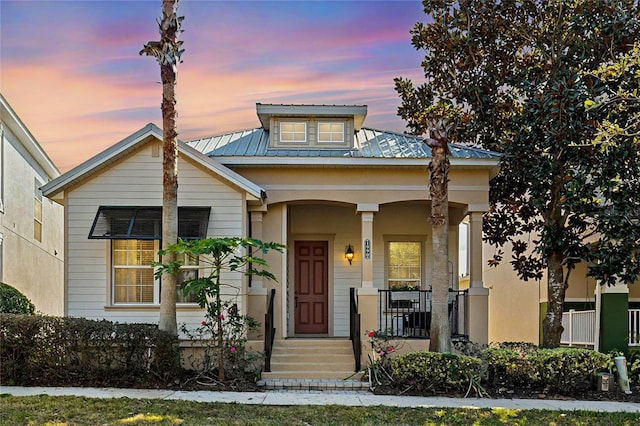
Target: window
293 132
135 233
133 280
37 212
331 132
188 271
133 275
404 264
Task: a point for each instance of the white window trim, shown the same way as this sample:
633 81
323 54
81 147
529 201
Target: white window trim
156 281
331 132
421 239
294 141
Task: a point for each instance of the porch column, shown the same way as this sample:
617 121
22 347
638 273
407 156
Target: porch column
613 316
366 248
256 292
367 293
477 318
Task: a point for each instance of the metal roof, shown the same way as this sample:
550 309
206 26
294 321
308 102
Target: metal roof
369 143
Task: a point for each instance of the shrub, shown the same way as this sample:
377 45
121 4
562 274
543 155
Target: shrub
14 302
433 371
40 350
508 363
566 370
379 370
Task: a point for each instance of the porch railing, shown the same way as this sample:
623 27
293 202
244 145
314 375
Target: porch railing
408 313
579 328
354 327
634 327
269 331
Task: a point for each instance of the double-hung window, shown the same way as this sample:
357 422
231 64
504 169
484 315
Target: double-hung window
331 133
404 267
293 132
135 234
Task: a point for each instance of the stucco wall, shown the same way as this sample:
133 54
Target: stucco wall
513 304
33 267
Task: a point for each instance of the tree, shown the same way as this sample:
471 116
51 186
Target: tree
521 74
220 255
435 120
167 52
617 142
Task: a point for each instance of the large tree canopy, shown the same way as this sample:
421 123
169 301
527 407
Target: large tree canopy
530 81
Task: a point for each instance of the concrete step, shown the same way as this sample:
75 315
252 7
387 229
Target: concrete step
313 384
311 359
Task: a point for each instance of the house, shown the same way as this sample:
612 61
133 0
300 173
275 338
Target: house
601 317
350 203
31 226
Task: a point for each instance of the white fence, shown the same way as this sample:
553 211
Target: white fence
634 327
579 328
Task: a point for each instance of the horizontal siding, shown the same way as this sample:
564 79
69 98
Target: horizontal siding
136 181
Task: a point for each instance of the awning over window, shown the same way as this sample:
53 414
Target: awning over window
145 223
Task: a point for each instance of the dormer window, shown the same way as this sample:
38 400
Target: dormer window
293 132
331 132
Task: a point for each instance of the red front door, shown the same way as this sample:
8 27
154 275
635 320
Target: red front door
311 287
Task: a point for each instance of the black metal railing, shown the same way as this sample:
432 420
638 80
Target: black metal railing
408 313
354 327
269 331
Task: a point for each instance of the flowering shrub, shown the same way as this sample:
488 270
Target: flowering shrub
379 371
236 358
224 328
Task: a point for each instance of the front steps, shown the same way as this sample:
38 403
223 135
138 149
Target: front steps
312 358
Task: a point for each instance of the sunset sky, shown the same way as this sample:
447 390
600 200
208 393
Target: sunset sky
72 72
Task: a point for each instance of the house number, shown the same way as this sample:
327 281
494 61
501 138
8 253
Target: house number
367 249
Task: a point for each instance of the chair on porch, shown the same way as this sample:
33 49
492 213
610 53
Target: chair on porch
416 324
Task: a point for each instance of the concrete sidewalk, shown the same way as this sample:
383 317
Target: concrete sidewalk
350 398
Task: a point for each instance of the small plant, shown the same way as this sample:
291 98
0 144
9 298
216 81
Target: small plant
222 321
13 301
405 287
379 371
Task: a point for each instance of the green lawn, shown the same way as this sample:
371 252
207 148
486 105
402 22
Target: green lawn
57 411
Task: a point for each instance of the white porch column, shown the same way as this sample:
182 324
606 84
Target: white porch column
366 248
477 318
367 293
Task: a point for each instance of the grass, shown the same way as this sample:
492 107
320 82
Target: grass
67 410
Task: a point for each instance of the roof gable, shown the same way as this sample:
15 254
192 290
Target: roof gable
13 122
116 152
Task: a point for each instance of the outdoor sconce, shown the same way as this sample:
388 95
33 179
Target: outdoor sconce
349 254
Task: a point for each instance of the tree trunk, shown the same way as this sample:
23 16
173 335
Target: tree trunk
168 72
552 324
440 334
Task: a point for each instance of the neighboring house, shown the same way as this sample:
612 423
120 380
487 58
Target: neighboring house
611 323
31 226
311 177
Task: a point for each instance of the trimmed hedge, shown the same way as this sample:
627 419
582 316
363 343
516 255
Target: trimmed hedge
13 301
562 370
433 371
41 350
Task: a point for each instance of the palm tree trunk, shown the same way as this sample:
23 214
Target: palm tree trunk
167 52
440 334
